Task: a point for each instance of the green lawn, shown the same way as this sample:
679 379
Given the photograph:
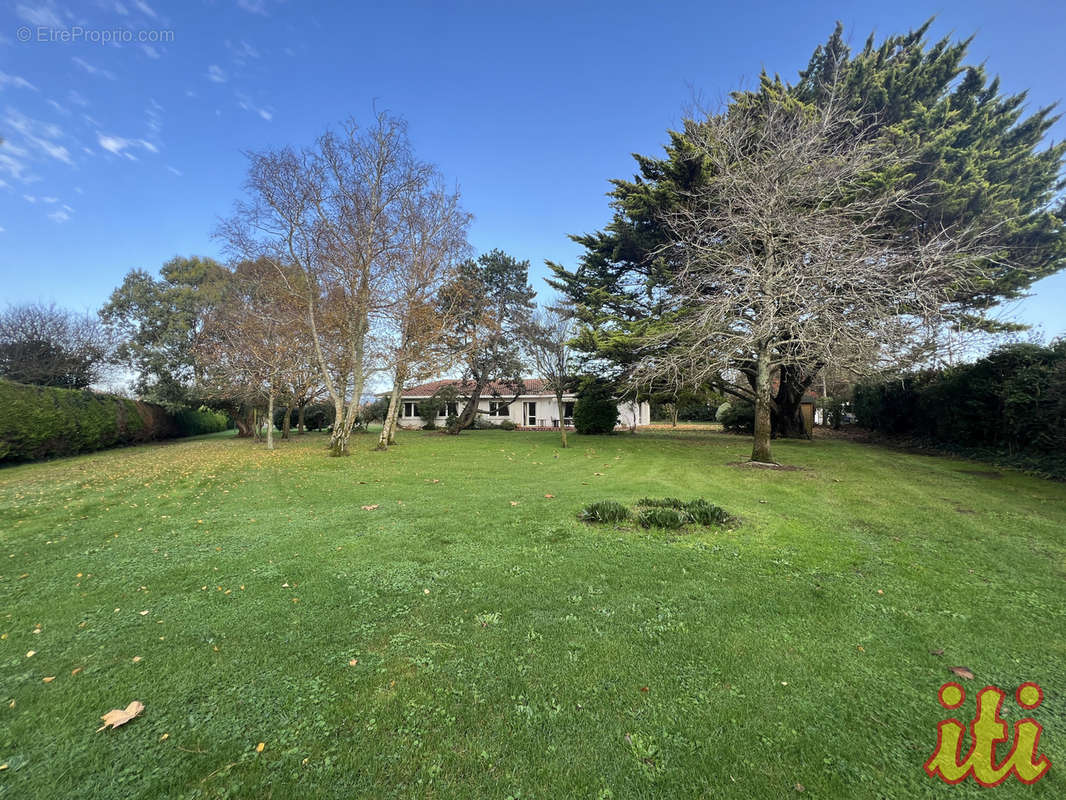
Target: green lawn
501 647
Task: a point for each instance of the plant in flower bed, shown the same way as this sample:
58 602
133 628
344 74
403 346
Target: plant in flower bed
667 512
605 511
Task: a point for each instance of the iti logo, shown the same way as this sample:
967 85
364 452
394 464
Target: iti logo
987 730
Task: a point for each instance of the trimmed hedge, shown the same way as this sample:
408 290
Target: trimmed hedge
1012 402
38 422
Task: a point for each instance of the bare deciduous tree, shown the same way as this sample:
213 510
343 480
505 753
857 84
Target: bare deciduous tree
547 338
50 346
335 212
786 260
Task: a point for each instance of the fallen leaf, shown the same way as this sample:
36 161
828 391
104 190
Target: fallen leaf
75 671
48 680
164 737
799 787
514 502
880 591
962 672
120 716
136 659
939 652
353 662
370 508
144 613
259 747
30 653
549 496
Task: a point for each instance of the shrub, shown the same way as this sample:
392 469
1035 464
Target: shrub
737 416
1012 401
703 513
428 410
198 421
507 425
604 511
43 422
596 410
669 518
665 502
318 416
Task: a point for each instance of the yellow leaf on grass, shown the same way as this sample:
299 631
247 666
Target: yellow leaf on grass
144 613
370 508
259 747
48 680
30 653
136 659
75 671
164 737
120 716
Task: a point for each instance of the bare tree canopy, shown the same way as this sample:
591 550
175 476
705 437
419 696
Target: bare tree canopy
337 216
784 258
50 346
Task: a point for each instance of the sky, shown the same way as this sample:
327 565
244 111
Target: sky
126 122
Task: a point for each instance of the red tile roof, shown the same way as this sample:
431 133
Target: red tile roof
495 389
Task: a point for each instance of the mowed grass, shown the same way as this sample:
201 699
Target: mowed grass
502 648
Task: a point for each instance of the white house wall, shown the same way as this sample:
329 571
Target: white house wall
547 412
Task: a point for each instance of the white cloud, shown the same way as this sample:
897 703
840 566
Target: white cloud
60 215
29 198
50 200
149 51
121 9
62 110
121 146
16 81
41 15
2 229
77 98
145 8
215 74
245 102
85 65
35 135
176 171
253 6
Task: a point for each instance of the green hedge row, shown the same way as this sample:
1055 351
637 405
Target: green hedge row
39 422
1011 402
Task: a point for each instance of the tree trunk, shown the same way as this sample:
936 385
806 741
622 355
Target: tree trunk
270 421
286 422
673 415
300 418
760 451
792 385
244 423
386 438
466 419
562 421
338 439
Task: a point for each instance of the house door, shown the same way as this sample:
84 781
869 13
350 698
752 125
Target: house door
531 414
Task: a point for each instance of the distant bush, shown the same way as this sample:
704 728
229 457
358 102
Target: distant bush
596 410
198 421
42 422
507 425
737 416
657 517
604 511
318 416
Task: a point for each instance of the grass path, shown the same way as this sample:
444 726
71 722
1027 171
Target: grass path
502 648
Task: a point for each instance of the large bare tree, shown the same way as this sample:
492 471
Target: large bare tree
547 337
784 257
335 212
417 324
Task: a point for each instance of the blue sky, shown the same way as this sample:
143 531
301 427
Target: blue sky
120 156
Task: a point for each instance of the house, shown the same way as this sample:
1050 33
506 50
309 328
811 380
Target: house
534 408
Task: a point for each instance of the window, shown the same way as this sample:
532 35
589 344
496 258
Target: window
410 409
449 410
568 410
498 409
